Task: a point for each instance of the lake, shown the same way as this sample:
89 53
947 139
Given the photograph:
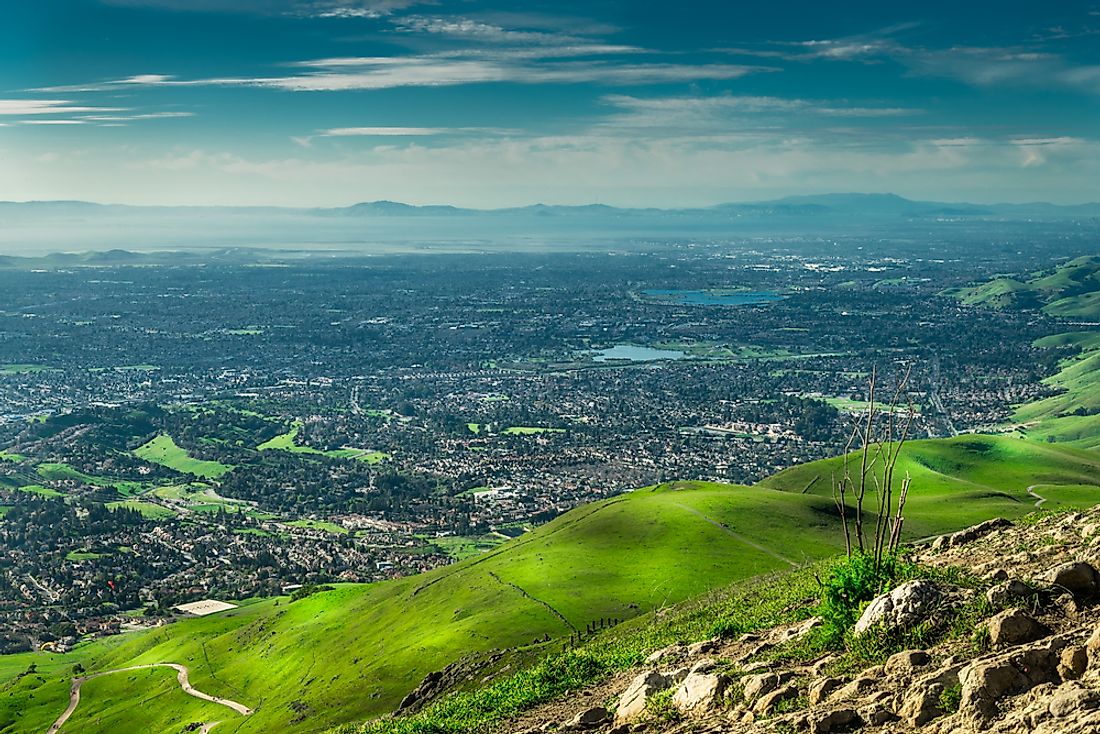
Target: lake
632 353
715 297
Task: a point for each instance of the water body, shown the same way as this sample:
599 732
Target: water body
715 298
632 353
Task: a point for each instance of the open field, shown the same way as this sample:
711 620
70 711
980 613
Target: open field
1073 416
63 472
164 451
288 442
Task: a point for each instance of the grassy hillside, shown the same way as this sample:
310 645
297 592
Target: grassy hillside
1072 416
967 479
164 451
356 651
1070 291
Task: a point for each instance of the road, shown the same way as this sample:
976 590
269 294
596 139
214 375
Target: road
1039 500
181 676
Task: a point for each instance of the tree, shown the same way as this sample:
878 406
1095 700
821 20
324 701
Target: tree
875 444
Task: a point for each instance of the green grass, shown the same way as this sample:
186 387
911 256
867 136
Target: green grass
461 547
10 456
1072 416
23 369
961 481
84 556
40 490
164 451
147 509
289 442
328 527
529 430
52 471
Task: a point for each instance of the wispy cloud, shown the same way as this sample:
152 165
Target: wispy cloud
298 8
346 132
436 70
24 107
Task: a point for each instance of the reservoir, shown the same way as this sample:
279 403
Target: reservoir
714 297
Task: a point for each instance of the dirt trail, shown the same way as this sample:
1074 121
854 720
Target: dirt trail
181 676
1039 500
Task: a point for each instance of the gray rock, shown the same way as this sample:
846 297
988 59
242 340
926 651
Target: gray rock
1013 627
632 702
904 607
761 684
970 534
1078 577
700 692
921 701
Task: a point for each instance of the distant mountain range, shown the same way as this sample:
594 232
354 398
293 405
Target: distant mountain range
853 204
40 227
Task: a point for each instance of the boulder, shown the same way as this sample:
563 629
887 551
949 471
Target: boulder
1072 699
904 607
1073 662
1013 627
821 688
970 534
762 684
700 692
840 720
1092 647
1080 578
920 702
904 663
989 679
632 702
766 704
672 653
589 718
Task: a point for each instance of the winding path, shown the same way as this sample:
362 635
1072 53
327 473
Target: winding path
1039 499
738 536
181 676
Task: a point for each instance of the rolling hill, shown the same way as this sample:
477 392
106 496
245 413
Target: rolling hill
353 652
1070 291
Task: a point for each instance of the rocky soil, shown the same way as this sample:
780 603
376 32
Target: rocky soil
1027 660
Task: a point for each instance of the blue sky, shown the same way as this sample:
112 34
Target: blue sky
487 104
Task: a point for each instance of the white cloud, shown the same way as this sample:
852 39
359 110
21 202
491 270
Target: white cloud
23 107
343 132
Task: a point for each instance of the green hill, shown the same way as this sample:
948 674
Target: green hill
1071 290
354 652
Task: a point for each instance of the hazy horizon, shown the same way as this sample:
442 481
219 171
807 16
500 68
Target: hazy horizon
323 103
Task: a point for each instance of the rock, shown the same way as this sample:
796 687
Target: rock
632 702
858 688
987 680
705 647
589 718
767 703
761 684
998 575
672 677
1071 699
970 534
904 663
700 691
666 654
800 630
876 714
1006 592
840 720
904 607
820 689
703 666
921 701
1073 662
1013 626
1078 577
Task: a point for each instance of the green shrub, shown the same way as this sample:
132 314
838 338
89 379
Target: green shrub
852 583
950 699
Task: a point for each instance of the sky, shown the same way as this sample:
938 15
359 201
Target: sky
489 104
